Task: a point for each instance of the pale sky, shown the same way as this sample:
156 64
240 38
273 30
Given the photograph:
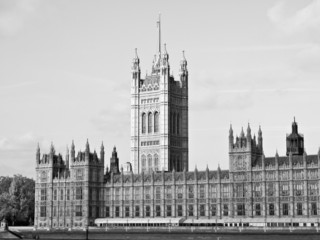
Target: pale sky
65 72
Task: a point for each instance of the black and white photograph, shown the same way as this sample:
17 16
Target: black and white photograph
157 120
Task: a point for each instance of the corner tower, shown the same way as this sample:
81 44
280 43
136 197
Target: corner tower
159 116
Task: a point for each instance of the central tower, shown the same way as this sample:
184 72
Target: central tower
159 115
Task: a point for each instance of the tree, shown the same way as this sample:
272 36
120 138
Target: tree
17 200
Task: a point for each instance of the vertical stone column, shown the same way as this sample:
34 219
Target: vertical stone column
219 204
207 187
131 212
263 189
305 204
152 205
196 197
291 196
231 197
163 195
277 183
173 190
142 203
185 194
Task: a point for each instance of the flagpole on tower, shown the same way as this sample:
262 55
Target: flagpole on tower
159 26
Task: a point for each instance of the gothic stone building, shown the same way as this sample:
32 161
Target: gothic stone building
156 188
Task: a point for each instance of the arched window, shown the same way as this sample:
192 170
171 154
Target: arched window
156 122
144 122
143 163
149 163
173 163
156 162
178 124
174 123
150 122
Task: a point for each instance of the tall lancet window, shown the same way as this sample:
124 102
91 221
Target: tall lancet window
150 122
178 124
144 119
156 162
143 163
156 122
149 163
174 123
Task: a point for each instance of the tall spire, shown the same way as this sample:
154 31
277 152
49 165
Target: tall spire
159 28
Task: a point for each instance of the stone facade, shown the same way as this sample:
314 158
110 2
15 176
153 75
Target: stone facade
256 187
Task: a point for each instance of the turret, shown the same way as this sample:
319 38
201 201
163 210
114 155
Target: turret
248 133
38 154
231 139
102 153
87 151
72 152
51 154
295 141
183 71
260 139
164 62
242 133
114 161
67 158
136 66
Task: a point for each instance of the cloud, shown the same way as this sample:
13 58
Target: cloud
306 19
14 15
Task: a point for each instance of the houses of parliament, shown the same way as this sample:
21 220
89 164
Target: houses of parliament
156 187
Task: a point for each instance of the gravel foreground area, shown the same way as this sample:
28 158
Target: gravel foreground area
122 234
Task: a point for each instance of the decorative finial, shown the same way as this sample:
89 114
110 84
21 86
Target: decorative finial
165 48
183 56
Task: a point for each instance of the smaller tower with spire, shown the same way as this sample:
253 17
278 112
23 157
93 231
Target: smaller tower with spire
295 140
244 152
114 161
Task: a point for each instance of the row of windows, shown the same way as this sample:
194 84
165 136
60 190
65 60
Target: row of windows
153 122
62 211
168 193
213 210
240 191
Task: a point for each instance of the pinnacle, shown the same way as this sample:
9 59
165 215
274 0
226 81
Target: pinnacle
136 52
